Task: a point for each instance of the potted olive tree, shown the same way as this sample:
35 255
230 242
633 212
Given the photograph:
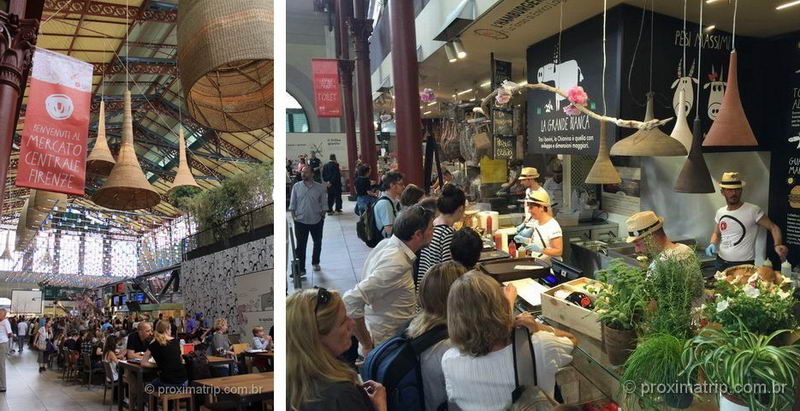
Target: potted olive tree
749 370
620 305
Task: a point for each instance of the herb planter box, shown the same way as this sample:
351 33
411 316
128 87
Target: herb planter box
571 315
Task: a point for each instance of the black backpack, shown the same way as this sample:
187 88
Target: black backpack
395 364
366 229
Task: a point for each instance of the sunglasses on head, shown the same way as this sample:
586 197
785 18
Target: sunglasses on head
323 298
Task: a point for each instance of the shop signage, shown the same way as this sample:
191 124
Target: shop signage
325 77
53 148
504 147
510 16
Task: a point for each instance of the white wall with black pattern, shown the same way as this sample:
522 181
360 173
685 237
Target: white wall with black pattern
210 283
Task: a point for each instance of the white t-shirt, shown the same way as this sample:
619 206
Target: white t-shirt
5 329
22 329
547 232
486 383
739 229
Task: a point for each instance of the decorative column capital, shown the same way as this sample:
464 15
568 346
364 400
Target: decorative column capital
17 43
346 68
360 29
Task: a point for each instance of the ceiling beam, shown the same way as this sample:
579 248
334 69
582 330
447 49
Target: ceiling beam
160 14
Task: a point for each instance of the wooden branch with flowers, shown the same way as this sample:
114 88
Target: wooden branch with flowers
577 97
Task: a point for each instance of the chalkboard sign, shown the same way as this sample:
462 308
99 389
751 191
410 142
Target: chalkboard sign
504 147
501 70
503 122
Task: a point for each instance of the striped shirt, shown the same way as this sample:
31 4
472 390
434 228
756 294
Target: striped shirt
438 251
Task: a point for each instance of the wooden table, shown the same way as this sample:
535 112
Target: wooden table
247 388
138 372
260 354
214 360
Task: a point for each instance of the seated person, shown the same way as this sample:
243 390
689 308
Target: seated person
138 340
466 247
261 341
166 351
479 369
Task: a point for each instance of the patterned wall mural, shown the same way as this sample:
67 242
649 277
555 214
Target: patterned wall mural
211 285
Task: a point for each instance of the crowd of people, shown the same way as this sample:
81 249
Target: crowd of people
92 341
420 279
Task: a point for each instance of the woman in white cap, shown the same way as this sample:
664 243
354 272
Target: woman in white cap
542 238
734 238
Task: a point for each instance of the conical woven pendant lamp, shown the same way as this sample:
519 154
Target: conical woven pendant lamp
694 177
24 235
184 175
651 142
681 131
225 54
603 172
126 187
731 127
100 162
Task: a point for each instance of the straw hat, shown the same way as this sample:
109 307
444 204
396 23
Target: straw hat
731 179
642 224
528 173
537 197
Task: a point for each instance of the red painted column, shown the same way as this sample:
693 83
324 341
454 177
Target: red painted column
17 42
361 27
406 90
344 10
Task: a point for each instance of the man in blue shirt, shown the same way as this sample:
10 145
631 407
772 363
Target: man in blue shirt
307 205
386 211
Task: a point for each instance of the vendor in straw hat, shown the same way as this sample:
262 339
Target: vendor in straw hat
734 238
646 231
541 237
528 178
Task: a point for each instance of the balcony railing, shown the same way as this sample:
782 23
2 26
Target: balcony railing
224 235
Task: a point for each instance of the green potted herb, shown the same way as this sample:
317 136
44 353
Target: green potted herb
673 286
761 375
656 362
620 305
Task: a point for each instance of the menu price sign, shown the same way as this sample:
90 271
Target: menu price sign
53 147
504 147
325 78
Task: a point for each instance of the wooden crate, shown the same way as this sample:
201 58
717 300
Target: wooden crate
571 315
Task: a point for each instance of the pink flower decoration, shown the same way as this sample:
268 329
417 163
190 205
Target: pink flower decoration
502 97
571 110
576 95
427 95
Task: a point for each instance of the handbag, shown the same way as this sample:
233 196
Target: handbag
527 396
49 347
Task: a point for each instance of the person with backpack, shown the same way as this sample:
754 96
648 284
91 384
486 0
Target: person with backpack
307 206
388 204
363 185
384 301
411 364
480 370
317 331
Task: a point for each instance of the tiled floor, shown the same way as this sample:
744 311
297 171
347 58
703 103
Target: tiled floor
343 253
27 389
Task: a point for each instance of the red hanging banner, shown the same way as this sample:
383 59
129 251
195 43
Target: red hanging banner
327 99
53 149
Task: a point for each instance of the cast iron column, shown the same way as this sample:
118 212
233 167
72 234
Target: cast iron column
361 28
406 90
344 12
17 42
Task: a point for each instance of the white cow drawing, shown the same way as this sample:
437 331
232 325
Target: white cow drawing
795 139
684 83
564 76
717 91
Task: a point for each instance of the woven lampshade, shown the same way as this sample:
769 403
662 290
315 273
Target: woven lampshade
681 131
33 217
126 187
694 176
651 142
100 161
44 201
24 235
603 172
184 175
731 127
225 55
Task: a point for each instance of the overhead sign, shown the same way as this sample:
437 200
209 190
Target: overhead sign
325 74
53 148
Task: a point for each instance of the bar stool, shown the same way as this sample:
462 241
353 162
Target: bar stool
166 399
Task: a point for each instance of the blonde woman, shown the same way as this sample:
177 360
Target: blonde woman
220 343
166 351
317 331
432 297
479 369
